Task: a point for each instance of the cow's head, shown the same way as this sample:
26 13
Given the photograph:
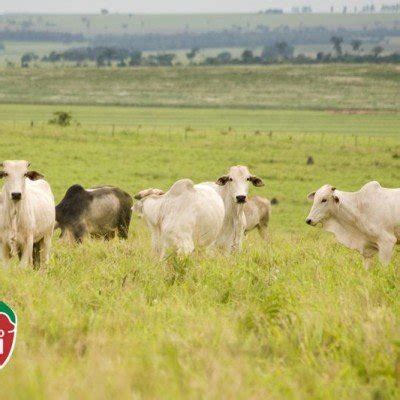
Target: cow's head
324 202
237 183
141 196
15 174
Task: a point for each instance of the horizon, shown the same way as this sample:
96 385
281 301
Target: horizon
158 7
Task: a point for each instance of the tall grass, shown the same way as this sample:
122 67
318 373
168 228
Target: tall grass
297 317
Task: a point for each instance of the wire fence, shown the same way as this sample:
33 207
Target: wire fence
347 137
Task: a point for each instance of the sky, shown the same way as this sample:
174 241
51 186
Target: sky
173 6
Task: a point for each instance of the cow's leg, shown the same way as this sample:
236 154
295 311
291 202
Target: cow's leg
46 247
36 253
123 224
368 262
5 254
262 230
186 247
386 250
368 257
27 253
79 231
162 251
109 235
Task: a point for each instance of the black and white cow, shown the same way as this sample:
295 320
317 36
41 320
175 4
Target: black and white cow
99 212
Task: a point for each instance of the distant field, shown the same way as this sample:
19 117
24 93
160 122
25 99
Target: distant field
170 23
188 121
340 87
14 50
295 318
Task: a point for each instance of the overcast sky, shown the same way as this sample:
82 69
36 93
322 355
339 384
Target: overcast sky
171 6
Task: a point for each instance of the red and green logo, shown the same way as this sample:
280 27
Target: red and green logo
8 333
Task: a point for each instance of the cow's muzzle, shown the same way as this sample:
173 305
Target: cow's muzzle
240 199
16 196
309 221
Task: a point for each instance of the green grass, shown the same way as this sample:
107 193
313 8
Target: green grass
295 318
369 87
170 23
168 120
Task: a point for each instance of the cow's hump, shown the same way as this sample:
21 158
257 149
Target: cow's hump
181 186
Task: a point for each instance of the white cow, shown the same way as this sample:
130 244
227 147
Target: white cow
257 211
367 220
28 214
183 218
233 189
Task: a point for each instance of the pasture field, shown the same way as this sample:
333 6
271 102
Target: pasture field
362 87
172 23
297 317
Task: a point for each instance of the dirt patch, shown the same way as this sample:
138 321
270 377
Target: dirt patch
350 111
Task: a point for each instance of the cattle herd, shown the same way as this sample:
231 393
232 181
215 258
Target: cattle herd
214 215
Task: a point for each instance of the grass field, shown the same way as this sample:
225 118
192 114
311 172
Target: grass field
171 23
365 87
295 318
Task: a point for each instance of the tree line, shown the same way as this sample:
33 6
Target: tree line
279 52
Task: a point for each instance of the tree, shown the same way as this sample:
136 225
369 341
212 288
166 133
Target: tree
165 59
61 118
224 58
337 45
279 51
100 61
192 54
284 50
27 58
135 58
377 51
356 44
247 57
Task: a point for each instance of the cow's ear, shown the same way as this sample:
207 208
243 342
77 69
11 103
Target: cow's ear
34 175
138 196
311 196
223 180
3 174
256 181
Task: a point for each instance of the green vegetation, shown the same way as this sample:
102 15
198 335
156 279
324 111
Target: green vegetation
295 318
214 121
366 87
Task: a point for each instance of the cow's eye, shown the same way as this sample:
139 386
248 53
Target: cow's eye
230 179
323 201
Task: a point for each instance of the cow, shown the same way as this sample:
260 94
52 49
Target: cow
233 188
257 211
367 220
185 217
28 214
98 212
138 206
